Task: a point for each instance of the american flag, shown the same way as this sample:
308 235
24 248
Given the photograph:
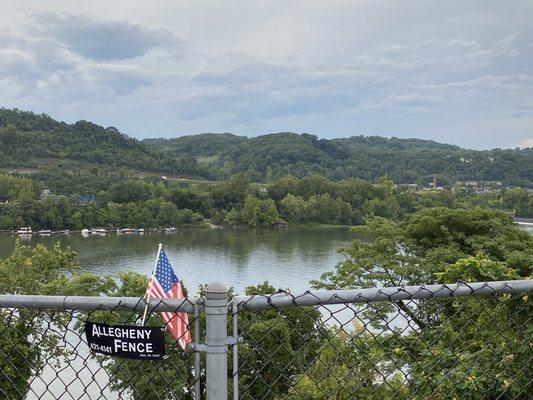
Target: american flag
164 284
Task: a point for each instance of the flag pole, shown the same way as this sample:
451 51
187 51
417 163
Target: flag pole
147 294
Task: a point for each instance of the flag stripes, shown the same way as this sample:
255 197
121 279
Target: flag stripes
164 284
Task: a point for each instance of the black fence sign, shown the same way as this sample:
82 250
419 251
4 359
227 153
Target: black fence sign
141 342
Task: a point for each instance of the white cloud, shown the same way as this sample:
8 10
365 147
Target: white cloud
459 72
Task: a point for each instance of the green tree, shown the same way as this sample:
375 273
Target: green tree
412 251
269 212
282 187
293 208
251 212
478 346
454 348
36 270
27 342
276 346
345 368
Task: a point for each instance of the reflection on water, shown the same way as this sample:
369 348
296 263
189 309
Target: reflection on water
238 258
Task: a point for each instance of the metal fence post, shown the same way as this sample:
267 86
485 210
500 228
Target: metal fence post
216 310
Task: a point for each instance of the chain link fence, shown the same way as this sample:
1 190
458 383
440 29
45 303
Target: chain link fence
461 341
44 352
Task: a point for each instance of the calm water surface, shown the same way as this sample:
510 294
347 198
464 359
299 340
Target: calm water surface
238 258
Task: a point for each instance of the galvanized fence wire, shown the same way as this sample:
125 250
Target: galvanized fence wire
44 354
461 341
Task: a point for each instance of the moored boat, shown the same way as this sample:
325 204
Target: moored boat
171 230
24 231
45 232
98 231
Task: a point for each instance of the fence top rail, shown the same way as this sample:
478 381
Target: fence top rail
278 300
325 297
88 303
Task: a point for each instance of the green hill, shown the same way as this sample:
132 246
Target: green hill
26 137
36 141
368 157
201 145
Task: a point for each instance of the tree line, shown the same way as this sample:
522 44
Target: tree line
37 141
56 199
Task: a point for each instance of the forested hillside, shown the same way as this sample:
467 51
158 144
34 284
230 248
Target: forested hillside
272 156
204 144
96 179
37 141
29 140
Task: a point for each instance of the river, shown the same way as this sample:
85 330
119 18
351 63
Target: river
288 259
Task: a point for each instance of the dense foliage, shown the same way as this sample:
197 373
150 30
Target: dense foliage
453 348
32 141
425 246
24 346
403 160
115 198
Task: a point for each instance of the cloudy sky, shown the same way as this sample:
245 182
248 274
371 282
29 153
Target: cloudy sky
453 71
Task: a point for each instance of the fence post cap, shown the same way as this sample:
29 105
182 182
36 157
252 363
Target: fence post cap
216 290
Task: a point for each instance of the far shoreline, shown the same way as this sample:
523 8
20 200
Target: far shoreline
206 225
